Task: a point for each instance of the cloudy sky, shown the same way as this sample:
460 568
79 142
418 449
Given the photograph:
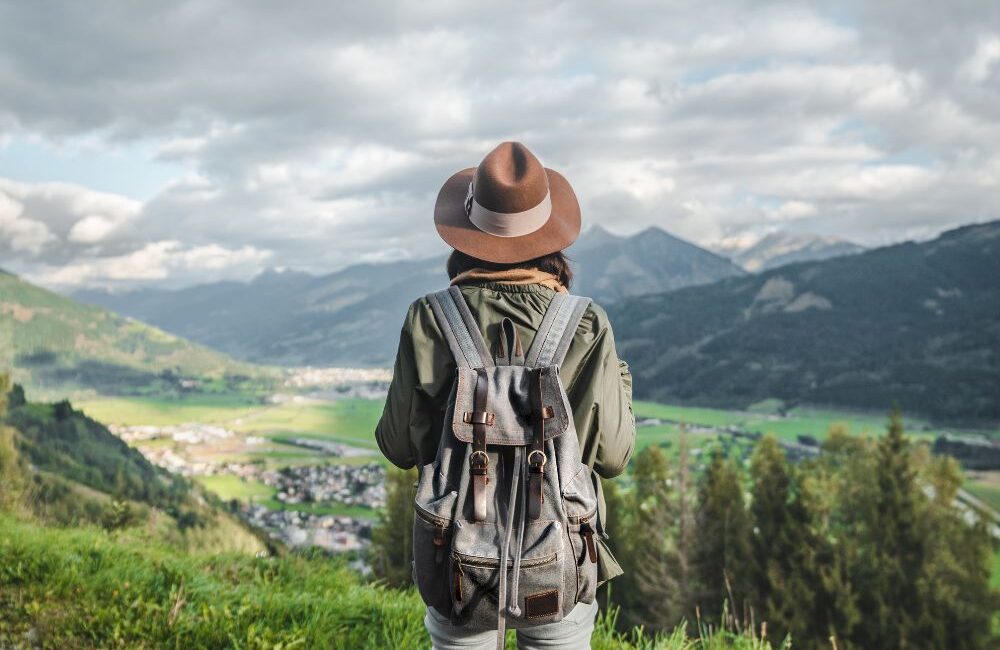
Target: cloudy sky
174 143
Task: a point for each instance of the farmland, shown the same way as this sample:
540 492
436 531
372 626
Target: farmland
351 421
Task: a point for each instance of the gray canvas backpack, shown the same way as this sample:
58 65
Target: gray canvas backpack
507 494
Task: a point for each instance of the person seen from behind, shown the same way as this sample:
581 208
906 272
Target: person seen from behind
485 394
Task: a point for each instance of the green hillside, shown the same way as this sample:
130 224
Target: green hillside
55 344
59 467
76 588
917 324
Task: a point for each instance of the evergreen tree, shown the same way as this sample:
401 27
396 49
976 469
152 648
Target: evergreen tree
392 538
15 397
890 549
685 507
618 523
955 581
799 585
4 389
781 593
722 553
650 592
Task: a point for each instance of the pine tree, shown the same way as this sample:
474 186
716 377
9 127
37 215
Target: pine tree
891 549
618 510
799 586
4 389
722 551
781 593
685 506
392 538
955 580
649 591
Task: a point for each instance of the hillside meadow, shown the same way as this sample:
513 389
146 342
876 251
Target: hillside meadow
83 587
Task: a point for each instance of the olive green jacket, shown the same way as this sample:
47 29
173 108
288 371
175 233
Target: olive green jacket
598 384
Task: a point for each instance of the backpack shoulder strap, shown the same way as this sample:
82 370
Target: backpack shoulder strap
556 331
459 328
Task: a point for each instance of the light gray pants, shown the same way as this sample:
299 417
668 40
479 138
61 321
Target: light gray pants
571 633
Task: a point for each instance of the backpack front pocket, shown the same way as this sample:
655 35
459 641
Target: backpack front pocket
475 583
540 590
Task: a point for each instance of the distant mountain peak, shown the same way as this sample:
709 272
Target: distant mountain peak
279 274
596 235
779 248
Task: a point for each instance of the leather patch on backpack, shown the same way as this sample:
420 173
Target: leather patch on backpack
540 605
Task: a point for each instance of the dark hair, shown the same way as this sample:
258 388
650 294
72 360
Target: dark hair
555 263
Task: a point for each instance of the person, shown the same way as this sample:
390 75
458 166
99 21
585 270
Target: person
508 221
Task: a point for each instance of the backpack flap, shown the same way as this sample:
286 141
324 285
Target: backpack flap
509 414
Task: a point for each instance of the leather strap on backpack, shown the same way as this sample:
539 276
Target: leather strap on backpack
536 454
479 460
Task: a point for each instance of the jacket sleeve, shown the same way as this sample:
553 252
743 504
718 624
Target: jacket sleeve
393 429
601 396
616 421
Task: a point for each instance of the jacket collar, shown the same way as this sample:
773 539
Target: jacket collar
511 277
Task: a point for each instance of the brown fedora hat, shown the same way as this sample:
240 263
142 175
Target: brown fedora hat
509 209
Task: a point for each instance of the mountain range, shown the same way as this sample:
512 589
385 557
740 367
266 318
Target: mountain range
352 317
916 324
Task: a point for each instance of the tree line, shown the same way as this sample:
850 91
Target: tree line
860 547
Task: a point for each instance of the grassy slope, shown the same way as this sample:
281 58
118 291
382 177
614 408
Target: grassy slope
84 588
51 341
69 470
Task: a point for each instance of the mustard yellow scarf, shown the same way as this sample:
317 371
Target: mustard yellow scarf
511 276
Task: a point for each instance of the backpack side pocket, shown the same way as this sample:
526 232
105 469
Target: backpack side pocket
584 544
432 535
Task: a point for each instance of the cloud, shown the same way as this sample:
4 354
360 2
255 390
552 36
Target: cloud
319 137
154 261
21 235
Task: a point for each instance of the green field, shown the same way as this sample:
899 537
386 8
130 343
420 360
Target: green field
987 493
228 486
338 509
213 409
809 421
350 421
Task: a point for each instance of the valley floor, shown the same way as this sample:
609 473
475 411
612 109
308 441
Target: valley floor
262 431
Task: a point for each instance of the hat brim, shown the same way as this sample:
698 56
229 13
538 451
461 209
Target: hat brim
454 226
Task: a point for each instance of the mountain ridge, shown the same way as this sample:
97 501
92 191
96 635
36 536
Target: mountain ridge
54 343
352 316
892 324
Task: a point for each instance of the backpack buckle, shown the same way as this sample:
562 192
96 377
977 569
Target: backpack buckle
537 465
479 468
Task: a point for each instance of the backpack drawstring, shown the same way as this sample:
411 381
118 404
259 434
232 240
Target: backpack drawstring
514 610
515 481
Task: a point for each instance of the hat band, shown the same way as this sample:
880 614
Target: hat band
511 224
